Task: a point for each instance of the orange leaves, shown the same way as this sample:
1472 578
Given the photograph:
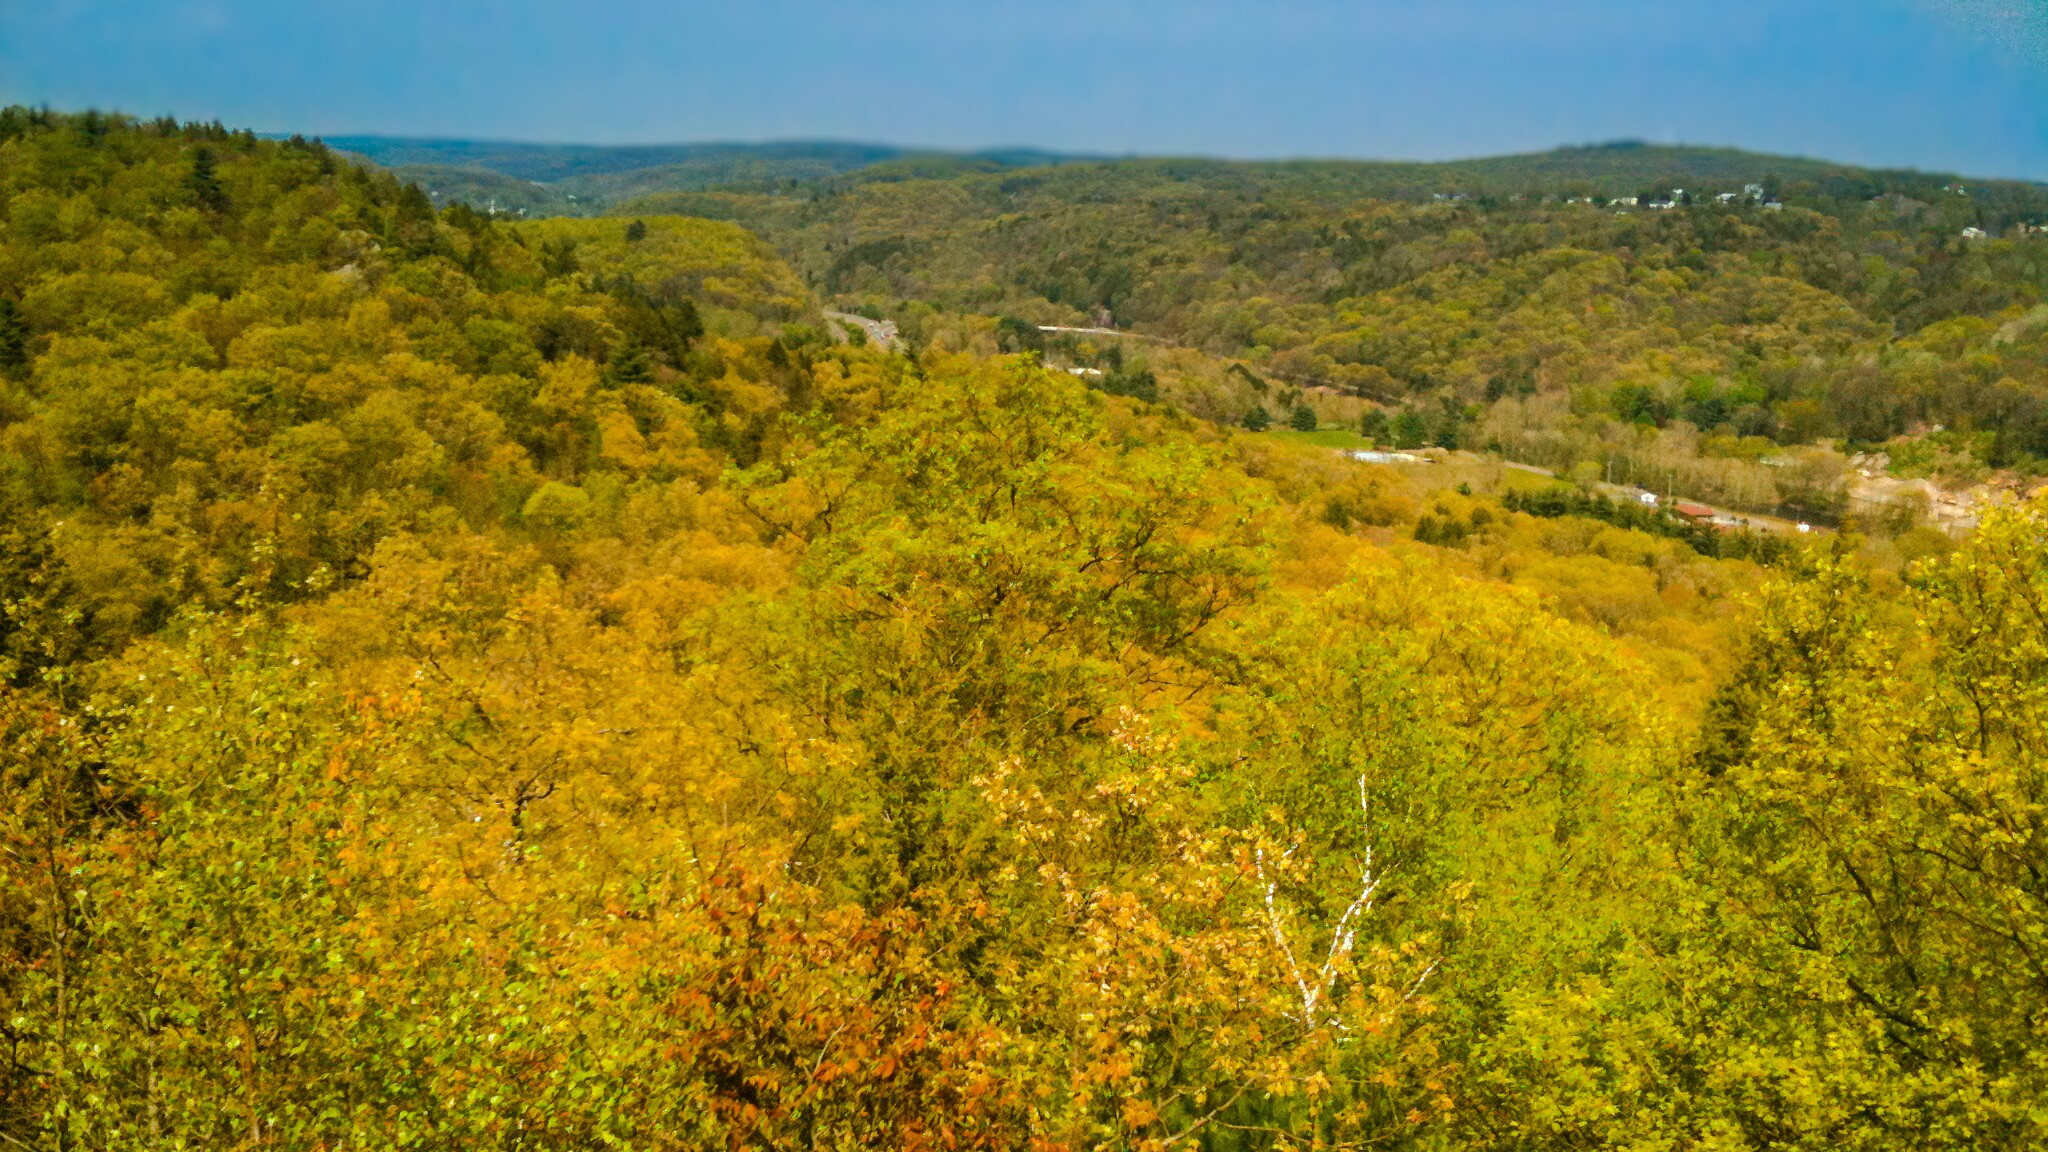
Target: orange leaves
792 1016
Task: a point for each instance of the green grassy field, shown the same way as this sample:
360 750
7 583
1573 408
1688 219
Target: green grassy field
1343 438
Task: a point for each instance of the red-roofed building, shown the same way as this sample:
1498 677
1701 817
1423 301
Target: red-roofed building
1691 511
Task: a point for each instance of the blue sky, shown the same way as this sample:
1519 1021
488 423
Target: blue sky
1941 84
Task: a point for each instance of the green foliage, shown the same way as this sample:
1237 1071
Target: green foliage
1703 538
484 684
204 183
1408 429
13 336
1551 326
677 259
1135 381
1015 334
1864 854
578 179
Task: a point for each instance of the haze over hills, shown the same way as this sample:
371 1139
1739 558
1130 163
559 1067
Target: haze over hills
550 163
578 179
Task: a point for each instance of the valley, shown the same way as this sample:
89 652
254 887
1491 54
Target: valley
840 647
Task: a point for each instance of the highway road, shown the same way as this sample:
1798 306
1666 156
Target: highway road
881 333
1063 330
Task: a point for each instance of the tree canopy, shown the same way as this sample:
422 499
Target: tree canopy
479 683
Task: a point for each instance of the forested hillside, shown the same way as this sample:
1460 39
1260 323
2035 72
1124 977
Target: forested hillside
1687 335
583 180
578 179
488 684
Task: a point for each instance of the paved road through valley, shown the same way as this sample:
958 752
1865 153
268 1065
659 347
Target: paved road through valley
881 333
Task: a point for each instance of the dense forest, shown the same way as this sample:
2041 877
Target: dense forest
523 684
1738 341
1750 330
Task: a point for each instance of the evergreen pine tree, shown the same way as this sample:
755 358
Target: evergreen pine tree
13 336
204 182
630 363
1373 426
558 257
415 224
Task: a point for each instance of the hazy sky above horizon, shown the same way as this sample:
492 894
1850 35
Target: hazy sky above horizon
1958 85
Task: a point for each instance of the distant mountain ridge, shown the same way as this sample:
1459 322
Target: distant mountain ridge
553 163
579 179
582 179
